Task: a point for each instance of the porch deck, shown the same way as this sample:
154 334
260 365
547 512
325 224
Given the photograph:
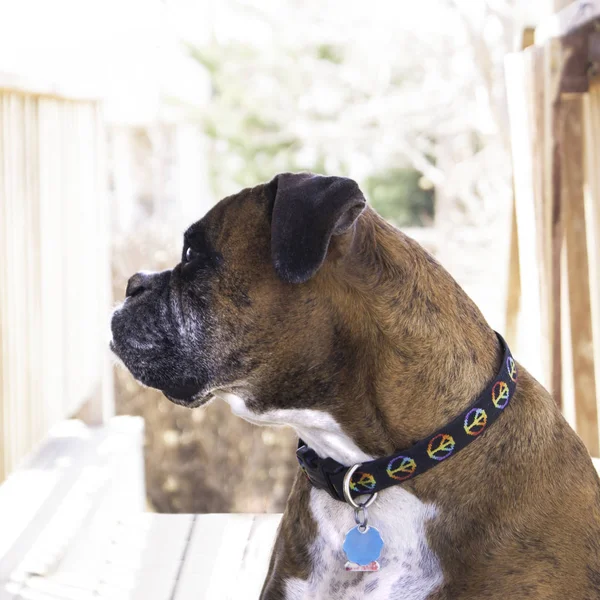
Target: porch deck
73 527
157 557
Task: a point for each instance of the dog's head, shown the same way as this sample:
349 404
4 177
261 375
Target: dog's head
298 304
241 306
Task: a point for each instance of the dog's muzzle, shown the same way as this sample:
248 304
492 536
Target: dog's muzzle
146 339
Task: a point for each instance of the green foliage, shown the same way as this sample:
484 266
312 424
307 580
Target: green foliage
293 111
331 53
397 196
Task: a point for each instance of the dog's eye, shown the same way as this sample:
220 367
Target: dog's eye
191 254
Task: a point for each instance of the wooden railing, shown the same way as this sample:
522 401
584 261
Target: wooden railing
54 264
554 284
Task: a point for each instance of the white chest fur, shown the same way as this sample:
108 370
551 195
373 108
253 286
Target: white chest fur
409 569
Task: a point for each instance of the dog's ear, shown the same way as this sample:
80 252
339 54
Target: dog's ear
307 210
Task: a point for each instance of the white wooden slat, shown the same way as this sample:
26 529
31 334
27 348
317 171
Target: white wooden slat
4 311
103 408
162 557
11 302
109 592
138 557
28 489
50 338
6 594
66 522
17 227
154 551
77 452
255 561
214 558
518 68
591 105
51 501
41 588
153 586
34 358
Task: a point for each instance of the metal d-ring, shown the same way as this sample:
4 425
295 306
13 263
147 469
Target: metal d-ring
349 499
361 518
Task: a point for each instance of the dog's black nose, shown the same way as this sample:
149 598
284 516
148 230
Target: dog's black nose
138 283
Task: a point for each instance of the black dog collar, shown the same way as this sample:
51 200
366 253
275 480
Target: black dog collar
376 475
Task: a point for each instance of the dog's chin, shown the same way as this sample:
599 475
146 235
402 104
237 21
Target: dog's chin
193 401
190 395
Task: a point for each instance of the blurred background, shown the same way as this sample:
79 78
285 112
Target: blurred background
121 123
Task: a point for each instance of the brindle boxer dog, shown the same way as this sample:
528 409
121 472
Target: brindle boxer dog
297 304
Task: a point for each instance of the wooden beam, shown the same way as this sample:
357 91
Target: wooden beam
533 86
543 86
577 271
513 297
570 16
591 116
527 37
519 71
553 72
73 90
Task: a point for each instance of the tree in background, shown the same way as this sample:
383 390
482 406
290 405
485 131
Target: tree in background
404 97
304 101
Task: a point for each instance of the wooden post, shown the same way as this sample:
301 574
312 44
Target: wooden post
531 109
577 273
513 298
553 71
519 78
591 118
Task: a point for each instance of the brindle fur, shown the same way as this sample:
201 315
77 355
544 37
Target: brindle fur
400 351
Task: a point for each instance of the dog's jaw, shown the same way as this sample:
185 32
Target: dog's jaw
194 401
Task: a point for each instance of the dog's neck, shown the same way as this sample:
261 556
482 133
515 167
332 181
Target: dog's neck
426 351
411 355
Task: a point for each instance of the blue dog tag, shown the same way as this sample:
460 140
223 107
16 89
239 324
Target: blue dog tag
363 548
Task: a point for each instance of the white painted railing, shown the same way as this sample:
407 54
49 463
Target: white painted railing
54 264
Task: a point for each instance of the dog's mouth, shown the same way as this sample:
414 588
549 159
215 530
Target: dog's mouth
190 394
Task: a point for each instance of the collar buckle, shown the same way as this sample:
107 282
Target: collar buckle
324 473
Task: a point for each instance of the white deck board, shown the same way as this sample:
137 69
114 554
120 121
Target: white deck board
5 594
214 557
75 471
257 554
124 558
158 557
72 528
